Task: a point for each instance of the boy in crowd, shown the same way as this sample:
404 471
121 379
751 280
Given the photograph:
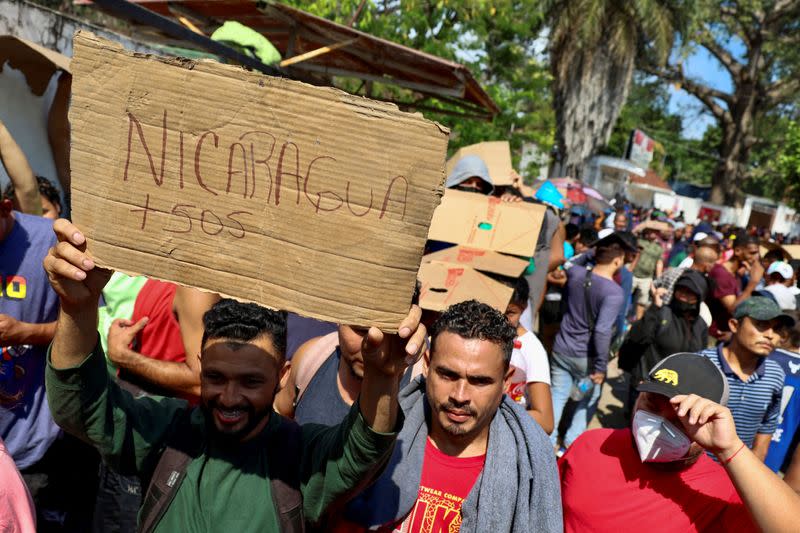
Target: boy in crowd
529 385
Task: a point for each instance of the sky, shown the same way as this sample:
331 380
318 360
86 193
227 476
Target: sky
701 66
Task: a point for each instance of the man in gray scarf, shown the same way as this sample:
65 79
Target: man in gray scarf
467 456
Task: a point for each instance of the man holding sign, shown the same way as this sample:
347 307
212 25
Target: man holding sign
208 465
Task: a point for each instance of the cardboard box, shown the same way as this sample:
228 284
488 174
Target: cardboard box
445 284
496 155
483 260
487 223
264 189
793 250
788 251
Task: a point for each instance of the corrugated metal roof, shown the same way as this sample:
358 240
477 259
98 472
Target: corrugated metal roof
369 58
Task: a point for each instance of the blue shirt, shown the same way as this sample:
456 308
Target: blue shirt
25 294
755 403
575 338
784 440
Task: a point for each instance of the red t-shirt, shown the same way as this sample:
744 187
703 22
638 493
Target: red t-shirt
724 284
161 337
445 484
606 487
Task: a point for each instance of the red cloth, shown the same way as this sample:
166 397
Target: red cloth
445 484
161 337
606 487
724 284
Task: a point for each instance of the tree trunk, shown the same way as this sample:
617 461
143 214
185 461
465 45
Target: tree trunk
726 178
588 99
738 128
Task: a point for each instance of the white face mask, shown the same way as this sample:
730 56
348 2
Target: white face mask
657 439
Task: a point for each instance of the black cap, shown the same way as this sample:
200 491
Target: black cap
687 373
617 237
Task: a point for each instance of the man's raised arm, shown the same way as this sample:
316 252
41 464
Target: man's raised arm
78 284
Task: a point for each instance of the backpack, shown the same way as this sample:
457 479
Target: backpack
185 444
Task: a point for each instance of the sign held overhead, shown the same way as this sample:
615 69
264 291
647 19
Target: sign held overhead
483 260
264 189
446 284
495 154
487 223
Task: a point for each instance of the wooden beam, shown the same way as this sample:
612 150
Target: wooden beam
317 52
457 92
189 24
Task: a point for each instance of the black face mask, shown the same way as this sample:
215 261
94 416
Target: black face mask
468 189
684 309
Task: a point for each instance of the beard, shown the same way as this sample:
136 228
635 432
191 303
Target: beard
458 430
254 418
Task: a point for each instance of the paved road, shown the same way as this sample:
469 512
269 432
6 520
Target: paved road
609 411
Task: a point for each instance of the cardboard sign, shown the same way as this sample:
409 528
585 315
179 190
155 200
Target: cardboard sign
264 189
793 250
496 155
487 223
445 284
483 260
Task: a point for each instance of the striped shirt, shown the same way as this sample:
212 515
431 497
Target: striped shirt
755 403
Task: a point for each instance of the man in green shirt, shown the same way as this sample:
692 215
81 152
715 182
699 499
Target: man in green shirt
229 477
649 265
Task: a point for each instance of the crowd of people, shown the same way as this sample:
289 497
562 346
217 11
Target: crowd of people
130 404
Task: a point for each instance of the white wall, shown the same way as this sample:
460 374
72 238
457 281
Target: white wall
689 206
25 116
51 29
786 221
665 201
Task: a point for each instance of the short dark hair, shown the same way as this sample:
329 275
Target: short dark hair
243 322
521 291
743 239
773 255
475 320
571 230
46 189
587 236
794 333
603 255
519 284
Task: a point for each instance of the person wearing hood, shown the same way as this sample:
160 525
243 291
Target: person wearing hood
666 329
471 175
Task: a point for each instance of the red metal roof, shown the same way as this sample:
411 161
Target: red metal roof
369 58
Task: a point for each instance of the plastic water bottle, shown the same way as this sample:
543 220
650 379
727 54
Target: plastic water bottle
581 389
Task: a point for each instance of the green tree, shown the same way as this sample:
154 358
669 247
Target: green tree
789 166
494 38
766 78
775 162
594 45
676 158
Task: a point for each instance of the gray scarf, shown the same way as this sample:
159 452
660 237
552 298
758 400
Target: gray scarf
517 491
